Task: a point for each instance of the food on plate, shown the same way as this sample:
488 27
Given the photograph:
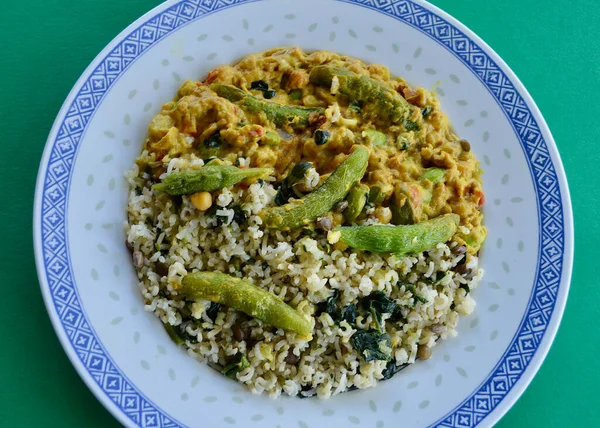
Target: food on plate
305 222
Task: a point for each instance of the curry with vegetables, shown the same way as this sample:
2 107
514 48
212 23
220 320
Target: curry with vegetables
284 107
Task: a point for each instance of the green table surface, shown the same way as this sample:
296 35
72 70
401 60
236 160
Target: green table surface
554 48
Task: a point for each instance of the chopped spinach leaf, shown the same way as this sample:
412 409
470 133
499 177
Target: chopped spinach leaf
348 314
372 345
329 306
377 303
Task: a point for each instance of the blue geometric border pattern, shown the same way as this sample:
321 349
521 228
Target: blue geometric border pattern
65 298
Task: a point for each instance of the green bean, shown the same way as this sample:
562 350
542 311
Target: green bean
244 296
207 179
358 88
434 175
278 113
409 239
357 198
301 212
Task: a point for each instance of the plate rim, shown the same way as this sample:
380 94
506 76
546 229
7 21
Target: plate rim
549 333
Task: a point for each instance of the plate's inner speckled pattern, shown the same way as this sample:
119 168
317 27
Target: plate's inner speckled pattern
92 286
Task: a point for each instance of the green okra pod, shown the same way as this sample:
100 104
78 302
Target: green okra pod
358 88
207 179
278 113
244 296
407 239
301 212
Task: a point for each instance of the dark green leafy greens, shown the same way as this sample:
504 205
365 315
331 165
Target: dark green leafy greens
349 314
239 215
372 345
330 306
378 304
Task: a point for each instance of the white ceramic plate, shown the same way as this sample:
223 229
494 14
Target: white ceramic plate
90 287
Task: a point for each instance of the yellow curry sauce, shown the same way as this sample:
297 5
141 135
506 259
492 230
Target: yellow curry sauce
186 126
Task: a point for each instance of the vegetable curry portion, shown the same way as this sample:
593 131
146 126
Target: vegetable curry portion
284 107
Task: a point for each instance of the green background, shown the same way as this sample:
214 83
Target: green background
47 44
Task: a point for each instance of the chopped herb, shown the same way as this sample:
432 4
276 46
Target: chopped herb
413 290
251 261
321 136
465 287
372 345
426 111
420 299
238 363
269 94
410 125
260 85
214 141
